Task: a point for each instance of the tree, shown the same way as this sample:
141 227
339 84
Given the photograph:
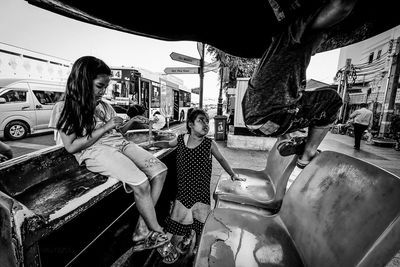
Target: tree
238 67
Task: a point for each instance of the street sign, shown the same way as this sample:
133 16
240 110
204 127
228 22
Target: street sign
182 70
200 48
211 67
185 59
196 90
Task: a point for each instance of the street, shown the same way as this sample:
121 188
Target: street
31 143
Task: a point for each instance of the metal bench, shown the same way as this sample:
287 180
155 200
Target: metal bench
262 189
46 190
341 211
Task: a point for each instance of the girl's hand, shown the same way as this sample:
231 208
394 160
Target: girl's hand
114 122
235 177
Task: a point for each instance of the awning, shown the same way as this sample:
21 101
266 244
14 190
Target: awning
238 28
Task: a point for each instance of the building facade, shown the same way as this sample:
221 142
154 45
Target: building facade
367 72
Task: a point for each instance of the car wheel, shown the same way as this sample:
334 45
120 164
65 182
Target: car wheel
16 130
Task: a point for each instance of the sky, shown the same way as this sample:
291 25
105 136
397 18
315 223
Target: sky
39 30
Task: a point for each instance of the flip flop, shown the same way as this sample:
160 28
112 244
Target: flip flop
152 240
292 146
169 253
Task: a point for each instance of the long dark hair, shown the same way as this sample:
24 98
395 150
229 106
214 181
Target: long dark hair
192 115
80 104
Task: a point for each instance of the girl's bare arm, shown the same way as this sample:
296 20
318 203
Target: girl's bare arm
221 159
124 128
74 144
166 144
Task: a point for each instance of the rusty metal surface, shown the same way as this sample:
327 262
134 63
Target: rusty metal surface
43 191
25 172
239 238
8 256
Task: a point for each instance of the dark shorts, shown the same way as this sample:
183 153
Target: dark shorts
318 107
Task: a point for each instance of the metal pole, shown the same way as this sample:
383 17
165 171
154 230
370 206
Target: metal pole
343 109
219 106
390 92
201 73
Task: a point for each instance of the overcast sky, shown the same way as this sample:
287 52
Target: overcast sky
30 27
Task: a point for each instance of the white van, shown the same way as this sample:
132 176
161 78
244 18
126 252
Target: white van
25 106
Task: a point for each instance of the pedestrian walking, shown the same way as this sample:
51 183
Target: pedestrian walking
362 120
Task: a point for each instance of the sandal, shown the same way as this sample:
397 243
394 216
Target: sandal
303 163
169 253
152 240
294 145
184 245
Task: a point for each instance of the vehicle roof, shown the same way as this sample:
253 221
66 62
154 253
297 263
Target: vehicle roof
7 81
241 29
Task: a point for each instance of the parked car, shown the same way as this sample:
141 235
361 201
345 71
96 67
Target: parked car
25 106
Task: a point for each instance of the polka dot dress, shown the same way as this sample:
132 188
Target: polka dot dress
194 166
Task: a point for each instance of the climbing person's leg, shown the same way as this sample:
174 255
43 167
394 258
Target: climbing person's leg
318 110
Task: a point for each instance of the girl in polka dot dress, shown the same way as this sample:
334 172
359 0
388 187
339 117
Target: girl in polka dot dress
194 166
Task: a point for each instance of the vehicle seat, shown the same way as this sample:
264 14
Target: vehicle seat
262 188
341 211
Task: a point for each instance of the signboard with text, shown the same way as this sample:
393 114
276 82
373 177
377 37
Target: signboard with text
185 59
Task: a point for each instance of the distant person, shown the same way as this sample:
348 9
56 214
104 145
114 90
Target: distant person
137 118
5 152
194 165
87 127
362 120
276 102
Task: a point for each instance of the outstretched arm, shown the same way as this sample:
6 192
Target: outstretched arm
221 159
166 144
334 12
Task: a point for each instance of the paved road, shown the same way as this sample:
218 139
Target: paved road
31 143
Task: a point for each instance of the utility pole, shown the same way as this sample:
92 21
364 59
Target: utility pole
219 105
345 97
201 74
390 96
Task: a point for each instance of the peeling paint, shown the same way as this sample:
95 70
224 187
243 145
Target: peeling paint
76 202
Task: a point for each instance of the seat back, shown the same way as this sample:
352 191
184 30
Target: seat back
342 211
20 174
278 169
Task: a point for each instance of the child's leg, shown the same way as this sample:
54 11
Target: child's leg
145 206
200 213
109 161
154 170
180 221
